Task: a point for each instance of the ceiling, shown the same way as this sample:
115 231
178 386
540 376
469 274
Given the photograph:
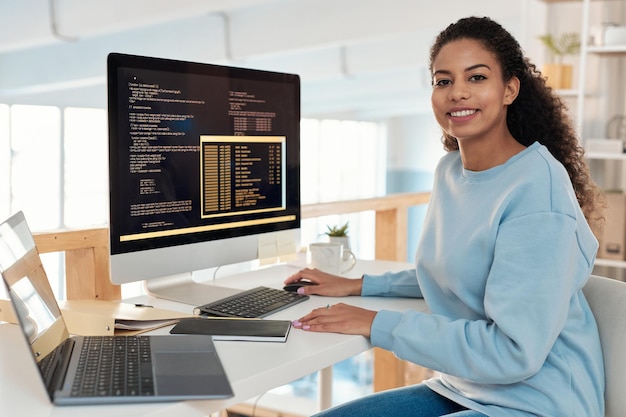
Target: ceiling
363 59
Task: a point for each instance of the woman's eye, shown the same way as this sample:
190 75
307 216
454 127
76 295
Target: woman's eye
477 77
441 83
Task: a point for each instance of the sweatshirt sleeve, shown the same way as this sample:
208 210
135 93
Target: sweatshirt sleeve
540 264
392 284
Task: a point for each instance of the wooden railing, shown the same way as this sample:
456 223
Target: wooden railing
391 219
87 275
87 259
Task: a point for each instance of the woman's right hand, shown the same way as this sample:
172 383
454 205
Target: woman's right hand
325 284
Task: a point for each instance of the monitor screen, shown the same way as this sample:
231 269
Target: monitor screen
204 165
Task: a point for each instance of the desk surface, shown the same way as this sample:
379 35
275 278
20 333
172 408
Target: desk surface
252 367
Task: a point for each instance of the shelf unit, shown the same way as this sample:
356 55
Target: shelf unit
600 83
593 88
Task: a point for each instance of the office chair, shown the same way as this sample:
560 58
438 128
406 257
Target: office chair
607 298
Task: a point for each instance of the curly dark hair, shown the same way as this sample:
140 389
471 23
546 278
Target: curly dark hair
537 114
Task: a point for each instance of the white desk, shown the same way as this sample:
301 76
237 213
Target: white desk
252 367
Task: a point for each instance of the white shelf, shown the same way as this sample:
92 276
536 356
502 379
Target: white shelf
567 93
605 155
610 262
567 1
607 50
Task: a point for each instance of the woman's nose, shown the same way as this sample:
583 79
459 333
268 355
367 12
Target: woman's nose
458 91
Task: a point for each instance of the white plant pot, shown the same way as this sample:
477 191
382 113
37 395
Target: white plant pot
345 241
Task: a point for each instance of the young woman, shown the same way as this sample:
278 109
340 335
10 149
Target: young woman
505 251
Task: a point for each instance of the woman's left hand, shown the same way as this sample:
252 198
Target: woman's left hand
338 318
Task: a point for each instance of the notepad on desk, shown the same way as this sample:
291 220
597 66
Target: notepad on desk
254 330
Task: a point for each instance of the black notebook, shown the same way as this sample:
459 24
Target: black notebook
235 329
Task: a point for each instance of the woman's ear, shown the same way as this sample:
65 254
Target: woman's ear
511 90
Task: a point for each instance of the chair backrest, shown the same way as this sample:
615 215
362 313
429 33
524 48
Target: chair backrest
607 298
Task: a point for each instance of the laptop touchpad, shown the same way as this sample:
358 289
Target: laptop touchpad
176 372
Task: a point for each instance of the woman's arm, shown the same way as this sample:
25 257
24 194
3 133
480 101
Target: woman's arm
390 284
326 284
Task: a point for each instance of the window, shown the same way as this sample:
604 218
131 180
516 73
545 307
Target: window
86 168
35 164
57 180
342 160
33 174
5 162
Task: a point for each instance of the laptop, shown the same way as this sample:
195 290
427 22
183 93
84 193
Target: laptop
147 368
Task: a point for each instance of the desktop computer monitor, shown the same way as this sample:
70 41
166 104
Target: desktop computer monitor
204 166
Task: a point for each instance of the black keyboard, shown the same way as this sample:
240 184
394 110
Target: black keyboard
114 366
255 303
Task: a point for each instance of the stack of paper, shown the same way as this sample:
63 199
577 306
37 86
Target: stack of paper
94 318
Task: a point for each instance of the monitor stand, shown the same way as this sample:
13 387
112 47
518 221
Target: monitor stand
184 289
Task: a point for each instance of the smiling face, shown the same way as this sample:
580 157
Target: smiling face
470 97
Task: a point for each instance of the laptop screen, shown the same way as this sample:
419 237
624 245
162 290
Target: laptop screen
29 289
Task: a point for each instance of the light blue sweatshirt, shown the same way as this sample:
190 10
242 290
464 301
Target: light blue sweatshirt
501 262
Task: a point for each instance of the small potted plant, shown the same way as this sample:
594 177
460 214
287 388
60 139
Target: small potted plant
339 234
559 75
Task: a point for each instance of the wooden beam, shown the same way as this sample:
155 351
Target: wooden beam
392 234
87 269
390 202
388 370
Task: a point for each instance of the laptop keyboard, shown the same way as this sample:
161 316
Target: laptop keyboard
46 366
254 303
114 366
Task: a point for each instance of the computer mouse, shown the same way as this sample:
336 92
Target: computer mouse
295 285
